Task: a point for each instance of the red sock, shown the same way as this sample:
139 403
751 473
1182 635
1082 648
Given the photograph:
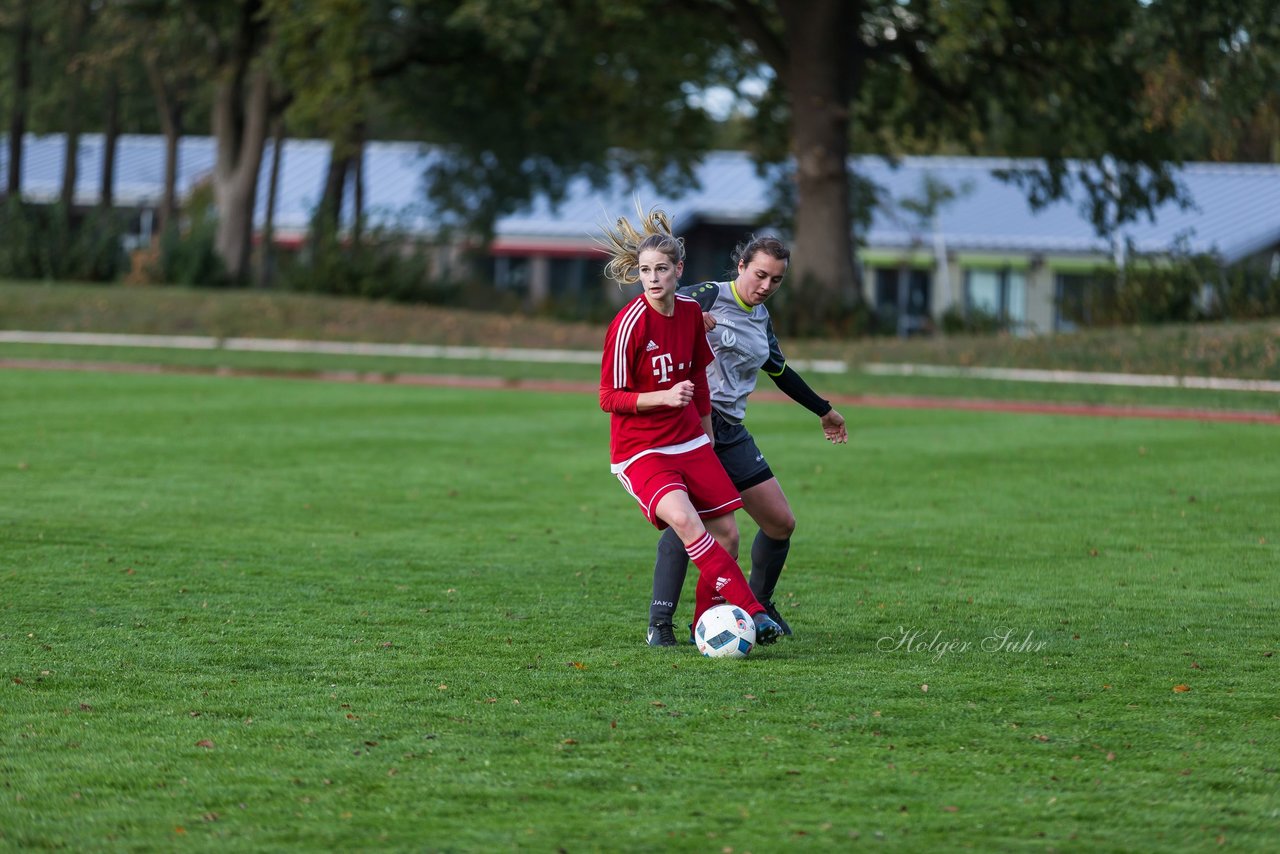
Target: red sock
720 579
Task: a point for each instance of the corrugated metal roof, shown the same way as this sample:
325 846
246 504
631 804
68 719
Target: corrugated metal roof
1236 208
394 179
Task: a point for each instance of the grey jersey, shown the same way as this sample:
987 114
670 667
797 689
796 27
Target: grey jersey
744 344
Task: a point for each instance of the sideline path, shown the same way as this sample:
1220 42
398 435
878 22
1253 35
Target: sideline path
565 386
587 357
1032 375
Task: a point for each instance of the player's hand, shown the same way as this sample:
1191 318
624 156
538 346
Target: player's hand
708 320
833 428
680 394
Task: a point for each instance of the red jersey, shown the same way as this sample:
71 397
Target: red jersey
644 350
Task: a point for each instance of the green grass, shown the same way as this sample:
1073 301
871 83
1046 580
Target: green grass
263 614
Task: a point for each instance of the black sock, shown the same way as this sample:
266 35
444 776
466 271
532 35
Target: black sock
768 556
668 577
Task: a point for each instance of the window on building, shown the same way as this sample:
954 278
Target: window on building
1000 295
578 288
510 273
1070 302
902 299
575 277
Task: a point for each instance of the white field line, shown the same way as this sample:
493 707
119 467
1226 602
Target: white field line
1077 377
342 348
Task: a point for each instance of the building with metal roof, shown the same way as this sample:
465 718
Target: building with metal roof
984 248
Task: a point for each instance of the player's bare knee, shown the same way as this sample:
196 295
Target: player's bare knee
729 540
725 530
780 528
686 524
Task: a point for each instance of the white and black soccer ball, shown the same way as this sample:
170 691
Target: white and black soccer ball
725 631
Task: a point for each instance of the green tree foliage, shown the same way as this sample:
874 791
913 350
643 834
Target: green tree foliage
325 51
523 95
1104 99
162 65
1214 74
63 78
1066 84
518 96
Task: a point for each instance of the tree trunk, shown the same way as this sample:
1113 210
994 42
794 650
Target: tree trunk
267 256
169 110
21 96
75 87
357 217
335 186
240 118
169 199
70 170
818 72
110 136
346 161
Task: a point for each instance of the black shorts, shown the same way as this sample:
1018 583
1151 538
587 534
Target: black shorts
738 454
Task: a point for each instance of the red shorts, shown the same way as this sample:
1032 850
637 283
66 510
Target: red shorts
697 472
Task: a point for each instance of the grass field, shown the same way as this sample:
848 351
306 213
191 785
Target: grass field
257 614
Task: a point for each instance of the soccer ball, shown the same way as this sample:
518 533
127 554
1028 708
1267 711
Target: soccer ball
725 631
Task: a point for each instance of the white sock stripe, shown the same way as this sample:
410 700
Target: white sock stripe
700 546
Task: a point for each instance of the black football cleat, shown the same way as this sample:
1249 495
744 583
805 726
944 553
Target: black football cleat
772 611
662 634
767 631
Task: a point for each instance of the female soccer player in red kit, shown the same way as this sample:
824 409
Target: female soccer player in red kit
653 382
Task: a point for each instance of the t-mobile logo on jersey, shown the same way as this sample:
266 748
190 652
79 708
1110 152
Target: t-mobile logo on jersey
662 367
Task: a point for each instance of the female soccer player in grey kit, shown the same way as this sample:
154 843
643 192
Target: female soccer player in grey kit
742 339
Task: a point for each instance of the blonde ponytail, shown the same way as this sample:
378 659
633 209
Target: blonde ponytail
625 243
